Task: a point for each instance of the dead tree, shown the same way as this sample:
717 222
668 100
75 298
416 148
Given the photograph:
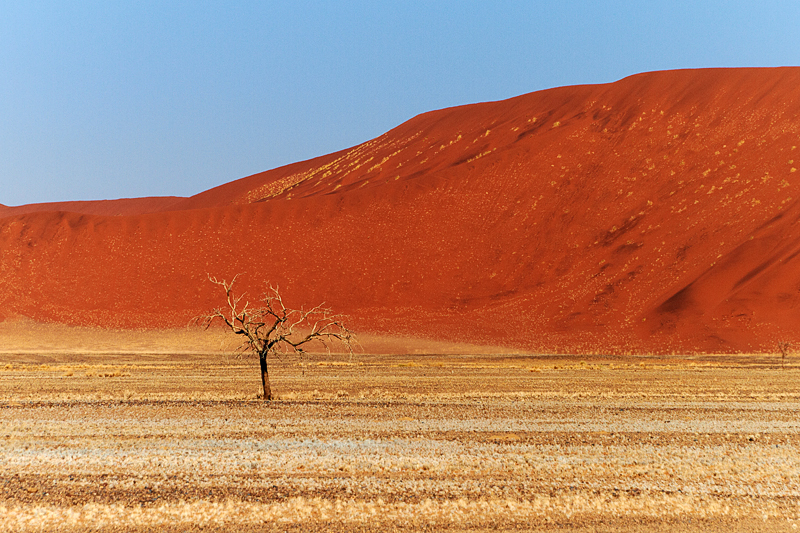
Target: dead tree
272 329
784 347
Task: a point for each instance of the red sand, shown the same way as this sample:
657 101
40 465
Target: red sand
123 206
657 214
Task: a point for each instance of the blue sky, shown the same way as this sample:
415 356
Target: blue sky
106 100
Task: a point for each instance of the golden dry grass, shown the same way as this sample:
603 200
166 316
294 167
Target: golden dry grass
141 436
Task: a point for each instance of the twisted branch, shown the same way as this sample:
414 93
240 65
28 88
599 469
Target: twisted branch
274 329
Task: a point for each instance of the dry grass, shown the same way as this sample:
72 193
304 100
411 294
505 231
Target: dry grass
126 440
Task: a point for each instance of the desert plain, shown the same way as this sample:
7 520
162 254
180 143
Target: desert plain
163 430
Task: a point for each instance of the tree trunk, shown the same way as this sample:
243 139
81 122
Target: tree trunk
262 358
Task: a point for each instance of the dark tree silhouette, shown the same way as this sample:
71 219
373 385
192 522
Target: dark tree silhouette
271 328
784 347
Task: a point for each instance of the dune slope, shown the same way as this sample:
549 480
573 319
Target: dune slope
658 213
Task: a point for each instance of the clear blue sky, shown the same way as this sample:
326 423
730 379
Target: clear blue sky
123 99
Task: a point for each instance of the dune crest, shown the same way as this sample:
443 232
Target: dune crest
121 207
658 213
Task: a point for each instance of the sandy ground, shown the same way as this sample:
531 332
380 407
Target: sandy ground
135 440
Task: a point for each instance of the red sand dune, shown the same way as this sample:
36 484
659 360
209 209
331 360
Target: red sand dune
123 206
659 213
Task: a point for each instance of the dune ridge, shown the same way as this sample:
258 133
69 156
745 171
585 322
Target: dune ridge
120 207
655 214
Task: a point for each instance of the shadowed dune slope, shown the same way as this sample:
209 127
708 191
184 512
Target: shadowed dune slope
658 213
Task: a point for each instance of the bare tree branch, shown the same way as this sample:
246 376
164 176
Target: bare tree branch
274 329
